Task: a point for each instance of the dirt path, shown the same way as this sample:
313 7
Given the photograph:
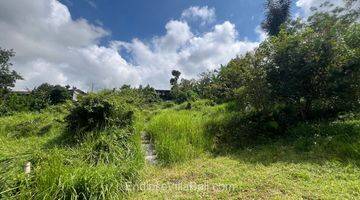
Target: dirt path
148 146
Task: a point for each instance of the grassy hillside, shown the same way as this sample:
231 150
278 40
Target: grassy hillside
96 168
249 177
317 160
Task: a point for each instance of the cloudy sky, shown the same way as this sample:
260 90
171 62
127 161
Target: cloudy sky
107 43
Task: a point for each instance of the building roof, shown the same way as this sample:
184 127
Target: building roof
21 92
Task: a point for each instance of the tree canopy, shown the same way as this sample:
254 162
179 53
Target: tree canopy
277 13
8 77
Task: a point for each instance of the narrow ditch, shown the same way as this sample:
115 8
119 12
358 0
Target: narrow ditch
148 146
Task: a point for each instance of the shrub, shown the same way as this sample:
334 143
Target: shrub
338 139
95 112
15 103
240 129
138 97
149 94
168 105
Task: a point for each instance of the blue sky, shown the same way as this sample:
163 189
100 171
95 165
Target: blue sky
108 43
128 19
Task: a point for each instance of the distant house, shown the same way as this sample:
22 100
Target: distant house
164 94
21 92
75 93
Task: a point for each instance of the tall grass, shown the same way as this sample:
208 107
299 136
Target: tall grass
96 168
179 135
339 140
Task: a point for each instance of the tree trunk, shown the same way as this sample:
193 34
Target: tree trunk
305 111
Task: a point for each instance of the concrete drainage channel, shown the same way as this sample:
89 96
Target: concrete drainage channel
148 146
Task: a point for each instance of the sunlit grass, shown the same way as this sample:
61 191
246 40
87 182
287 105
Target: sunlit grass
321 164
179 135
96 168
251 180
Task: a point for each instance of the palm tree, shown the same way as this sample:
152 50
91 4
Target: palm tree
277 12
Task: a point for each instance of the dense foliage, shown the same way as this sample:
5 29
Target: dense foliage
41 97
184 90
305 71
277 13
7 77
47 94
141 96
96 112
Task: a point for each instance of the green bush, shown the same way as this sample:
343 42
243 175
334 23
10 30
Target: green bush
141 97
339 139
233 128
168 105
96 112
15 103
40 98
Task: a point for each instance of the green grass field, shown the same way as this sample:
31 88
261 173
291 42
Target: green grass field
322 165
234 177
96 168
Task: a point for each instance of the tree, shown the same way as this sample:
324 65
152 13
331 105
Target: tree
176 74
277 13
183 91
7 77
174 83
207 85
59 94
298 65
232 76
149 94
317 66
125 87
47 94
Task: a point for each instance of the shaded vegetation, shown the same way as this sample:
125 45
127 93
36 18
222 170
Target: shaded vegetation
40 98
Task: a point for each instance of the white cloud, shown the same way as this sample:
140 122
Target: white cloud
52 47
204 14
261 33
307 5
177 34
188 53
